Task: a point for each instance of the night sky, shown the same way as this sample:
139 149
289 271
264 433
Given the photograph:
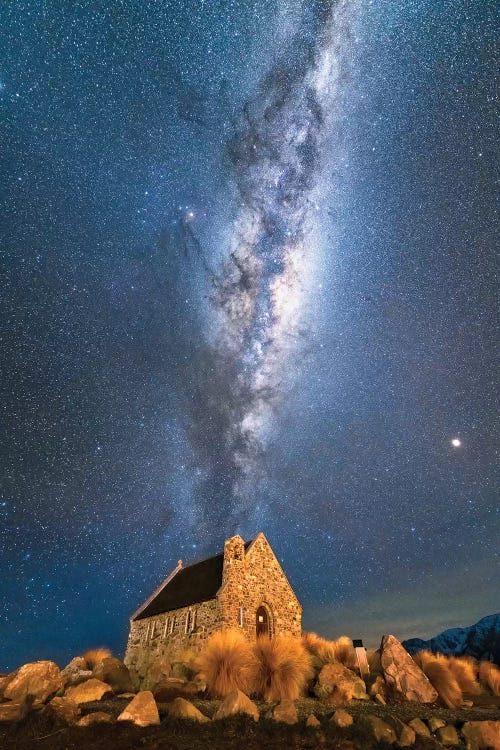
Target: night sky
248 284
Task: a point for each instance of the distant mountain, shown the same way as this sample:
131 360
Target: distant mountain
482 641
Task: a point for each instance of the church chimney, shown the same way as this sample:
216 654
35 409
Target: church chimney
234 558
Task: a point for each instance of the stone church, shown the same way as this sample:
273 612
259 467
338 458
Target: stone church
243 587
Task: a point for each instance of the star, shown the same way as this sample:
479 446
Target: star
456 442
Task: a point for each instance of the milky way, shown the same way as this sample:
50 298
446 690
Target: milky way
279 160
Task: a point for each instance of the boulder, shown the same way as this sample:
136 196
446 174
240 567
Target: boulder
342 718
404 678
172 687
435 723
380 700
448 736
312 721
113 672
407 737
286 712
76 671
481 735
96 717
183 709
91 690
14 711
63 709
420 728
5 680
237 703
142 710
339 685
41 679
381 731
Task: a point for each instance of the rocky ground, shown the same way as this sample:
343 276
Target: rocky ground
95 703
41 728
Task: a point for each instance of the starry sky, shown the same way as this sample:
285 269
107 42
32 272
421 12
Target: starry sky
248 283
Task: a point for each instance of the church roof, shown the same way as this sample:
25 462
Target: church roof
192 584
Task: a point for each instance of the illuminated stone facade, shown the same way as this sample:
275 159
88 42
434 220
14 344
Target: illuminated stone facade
250 592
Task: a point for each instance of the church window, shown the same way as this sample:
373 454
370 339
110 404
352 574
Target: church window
241 620
165 628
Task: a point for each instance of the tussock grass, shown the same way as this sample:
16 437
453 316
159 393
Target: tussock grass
489 674
95 655
284 667
326 651
227 662
437 670
464 670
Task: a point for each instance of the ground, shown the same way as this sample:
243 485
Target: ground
237 733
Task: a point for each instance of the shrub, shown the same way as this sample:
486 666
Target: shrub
227 662
95 655
489 674
284 667
437 670
373 658
326 651
464 670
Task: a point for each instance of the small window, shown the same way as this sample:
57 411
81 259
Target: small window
188 613
172 625
241 620
193 620
147 633
165 628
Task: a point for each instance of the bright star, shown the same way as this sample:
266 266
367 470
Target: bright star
456 443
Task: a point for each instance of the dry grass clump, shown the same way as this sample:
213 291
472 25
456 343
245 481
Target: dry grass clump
373 658
489 674
437 670
325 651
95 655
284 667
227 662
464 670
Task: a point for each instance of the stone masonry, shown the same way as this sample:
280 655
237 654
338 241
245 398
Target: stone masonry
252 586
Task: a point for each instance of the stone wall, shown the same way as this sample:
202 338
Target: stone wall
255 579
164 640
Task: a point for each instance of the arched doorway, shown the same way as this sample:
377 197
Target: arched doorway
262 624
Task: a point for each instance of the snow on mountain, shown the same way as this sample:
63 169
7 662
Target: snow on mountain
482 641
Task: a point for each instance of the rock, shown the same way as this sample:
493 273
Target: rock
142 710
381 731
467 704
76 671
91 690
342 718
435 723
407 737
339 685
482 735
312 721
113 672
402 675
14 711
420 728
96 717
41 679
5 680
172 687
183 709
237 703
448 736
378 687
64 709
126 695
286 712
380 700
200 681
